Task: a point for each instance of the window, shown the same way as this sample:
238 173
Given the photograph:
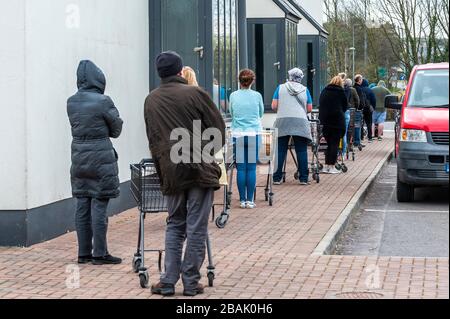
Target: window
226 54
430 89
291 45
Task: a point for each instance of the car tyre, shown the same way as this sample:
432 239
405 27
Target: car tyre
405 192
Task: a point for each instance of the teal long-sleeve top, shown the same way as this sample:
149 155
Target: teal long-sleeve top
247 110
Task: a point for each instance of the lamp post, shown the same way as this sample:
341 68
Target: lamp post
353 49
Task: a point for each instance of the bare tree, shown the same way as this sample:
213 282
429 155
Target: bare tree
415 25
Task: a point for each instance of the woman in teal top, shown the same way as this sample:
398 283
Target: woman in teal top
247 110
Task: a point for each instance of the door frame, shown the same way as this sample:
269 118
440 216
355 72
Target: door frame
205 32
281 27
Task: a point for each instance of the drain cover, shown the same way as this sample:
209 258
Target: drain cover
359 295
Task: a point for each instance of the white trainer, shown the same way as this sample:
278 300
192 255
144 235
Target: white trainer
251 205
334 171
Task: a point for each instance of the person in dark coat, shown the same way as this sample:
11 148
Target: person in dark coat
95 174
371 104
353 103
360 110
172 111
333 106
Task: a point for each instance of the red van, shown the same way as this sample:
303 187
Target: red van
423 137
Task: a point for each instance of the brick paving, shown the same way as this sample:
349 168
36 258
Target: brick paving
262 254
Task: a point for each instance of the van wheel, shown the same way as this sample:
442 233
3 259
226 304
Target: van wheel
405 192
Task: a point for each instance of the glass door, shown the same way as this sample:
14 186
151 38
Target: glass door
265 58
183 30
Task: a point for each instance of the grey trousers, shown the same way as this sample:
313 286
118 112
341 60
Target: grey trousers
92 226
188 221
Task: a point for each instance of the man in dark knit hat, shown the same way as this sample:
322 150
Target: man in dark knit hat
189 183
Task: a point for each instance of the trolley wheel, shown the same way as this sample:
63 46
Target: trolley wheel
270 201
316 177
211 278
344 168
321 167
267 195
360 148
144 279
353 157
137 262
296 176
222 221
339 167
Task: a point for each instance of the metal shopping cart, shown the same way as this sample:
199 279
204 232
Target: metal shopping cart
230 163
266 157
359 117
350 152
146 190
316 166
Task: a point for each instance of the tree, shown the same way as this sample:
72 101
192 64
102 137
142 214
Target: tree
415 30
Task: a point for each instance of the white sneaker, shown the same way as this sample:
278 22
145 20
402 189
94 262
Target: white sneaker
326 170
251 205
243 205
334 171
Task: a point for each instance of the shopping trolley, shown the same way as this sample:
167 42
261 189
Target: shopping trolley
266 157
316 166
146 190
359 117
230 163
350 152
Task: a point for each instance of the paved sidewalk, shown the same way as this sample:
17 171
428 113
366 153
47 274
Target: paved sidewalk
265 253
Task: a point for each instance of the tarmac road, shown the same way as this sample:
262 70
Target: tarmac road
385 227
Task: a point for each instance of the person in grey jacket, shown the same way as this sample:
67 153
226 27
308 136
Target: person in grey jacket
94 174
293 102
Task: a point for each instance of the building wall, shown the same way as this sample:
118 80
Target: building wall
306 28
263 9
315 8
12 105
46 40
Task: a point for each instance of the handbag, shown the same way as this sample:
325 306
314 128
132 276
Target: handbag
220 160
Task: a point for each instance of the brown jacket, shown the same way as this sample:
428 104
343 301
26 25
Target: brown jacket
176 105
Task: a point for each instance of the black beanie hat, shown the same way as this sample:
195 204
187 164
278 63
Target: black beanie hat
168 64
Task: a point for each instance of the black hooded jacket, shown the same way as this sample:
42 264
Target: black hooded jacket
333 105
94 120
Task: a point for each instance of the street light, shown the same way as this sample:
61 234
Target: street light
353 49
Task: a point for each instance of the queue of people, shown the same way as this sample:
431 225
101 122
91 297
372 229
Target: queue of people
178 103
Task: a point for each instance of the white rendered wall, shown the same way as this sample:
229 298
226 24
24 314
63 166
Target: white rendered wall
315 8
306 28
12 105
263 9
112 33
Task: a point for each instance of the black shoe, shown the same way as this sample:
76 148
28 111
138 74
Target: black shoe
200 290
165 290
107 260
84 260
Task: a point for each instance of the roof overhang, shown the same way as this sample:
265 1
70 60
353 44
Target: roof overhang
289 9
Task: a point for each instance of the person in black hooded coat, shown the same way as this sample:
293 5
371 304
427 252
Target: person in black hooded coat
94 174
333 106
